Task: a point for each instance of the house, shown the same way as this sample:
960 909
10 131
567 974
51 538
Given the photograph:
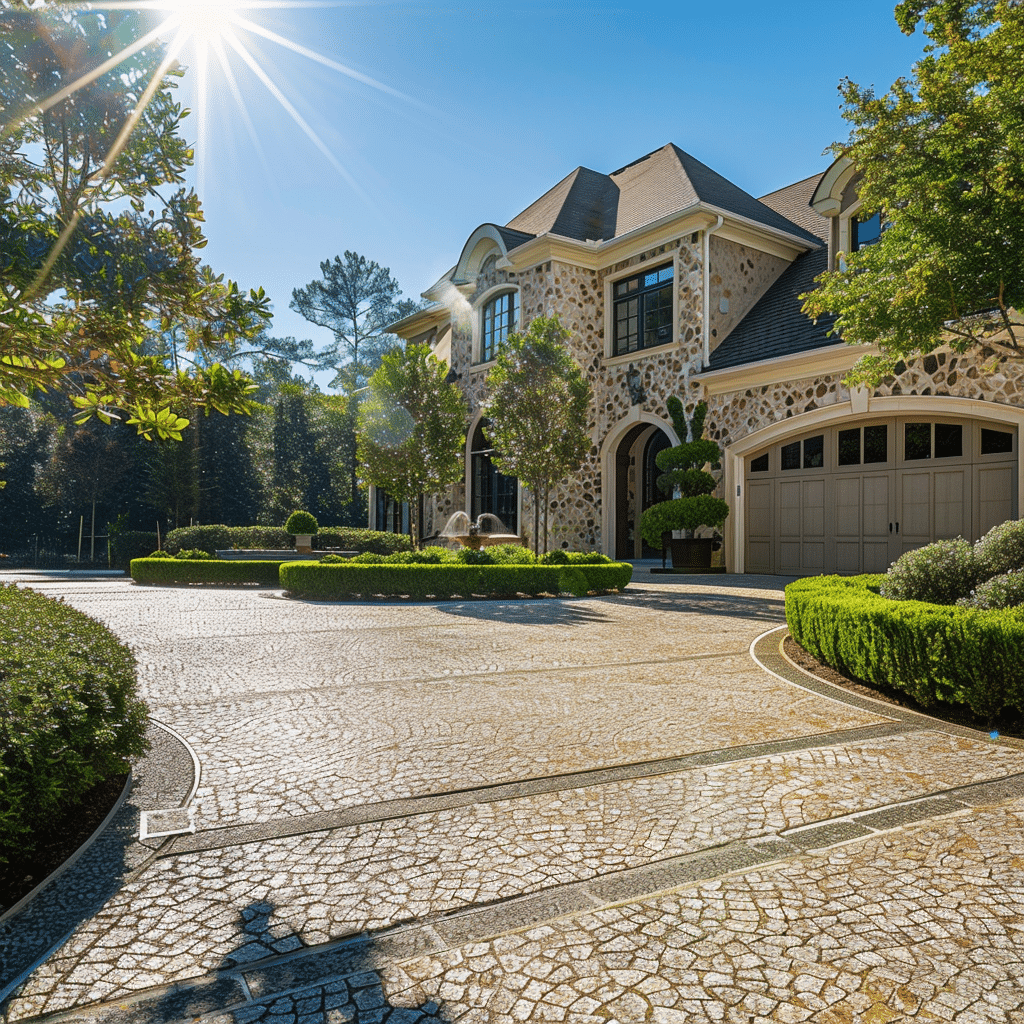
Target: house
674 281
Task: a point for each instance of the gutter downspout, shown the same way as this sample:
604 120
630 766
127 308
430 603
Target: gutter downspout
706 311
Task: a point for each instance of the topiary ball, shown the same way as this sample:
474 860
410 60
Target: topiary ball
301 524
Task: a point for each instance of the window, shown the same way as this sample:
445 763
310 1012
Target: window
876 445
642 310
500 318
760 464
865 232
996 442
813 453
491 491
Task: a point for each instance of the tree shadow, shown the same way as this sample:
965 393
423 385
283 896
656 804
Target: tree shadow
557 611
260 980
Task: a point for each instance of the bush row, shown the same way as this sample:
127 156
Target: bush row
499 554
176 570
931 652
129 544
214 538
316 580
70 717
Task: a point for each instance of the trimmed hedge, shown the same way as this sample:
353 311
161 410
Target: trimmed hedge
214 538
130 544
317 580
177 570
70 716
931 652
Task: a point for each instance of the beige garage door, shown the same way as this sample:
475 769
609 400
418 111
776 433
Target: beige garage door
853 498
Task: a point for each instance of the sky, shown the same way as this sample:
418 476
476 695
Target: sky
487 106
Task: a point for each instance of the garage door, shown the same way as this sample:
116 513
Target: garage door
853 498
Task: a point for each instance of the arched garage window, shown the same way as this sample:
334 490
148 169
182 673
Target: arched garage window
490 490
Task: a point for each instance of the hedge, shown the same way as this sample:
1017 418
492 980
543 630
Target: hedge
931 652
215 538
315 580
70 716
176 570
131 544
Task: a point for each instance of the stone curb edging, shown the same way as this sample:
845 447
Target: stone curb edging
70 862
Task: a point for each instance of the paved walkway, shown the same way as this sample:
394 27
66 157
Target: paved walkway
623 809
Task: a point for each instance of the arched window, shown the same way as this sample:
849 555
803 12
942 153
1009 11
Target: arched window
491 491
499 318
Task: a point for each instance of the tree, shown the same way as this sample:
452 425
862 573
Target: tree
97 263
941 157
539 408
412 427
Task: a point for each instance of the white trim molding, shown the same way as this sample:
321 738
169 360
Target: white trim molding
836 358
881 407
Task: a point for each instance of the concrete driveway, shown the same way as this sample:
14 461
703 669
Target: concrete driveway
629 808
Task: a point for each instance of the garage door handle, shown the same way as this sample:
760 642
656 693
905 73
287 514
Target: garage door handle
890 527
897 526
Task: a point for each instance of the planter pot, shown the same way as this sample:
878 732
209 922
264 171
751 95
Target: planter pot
304 543
692 554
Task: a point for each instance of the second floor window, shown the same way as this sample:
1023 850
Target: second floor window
642 310
865 232
500 318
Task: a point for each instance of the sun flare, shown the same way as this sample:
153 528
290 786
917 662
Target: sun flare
202 22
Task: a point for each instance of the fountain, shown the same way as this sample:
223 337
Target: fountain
487 530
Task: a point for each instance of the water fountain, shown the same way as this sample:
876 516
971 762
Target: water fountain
487 530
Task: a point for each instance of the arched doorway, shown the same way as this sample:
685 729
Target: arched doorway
490 490
636 489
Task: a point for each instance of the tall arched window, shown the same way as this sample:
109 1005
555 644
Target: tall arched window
499 317
491 491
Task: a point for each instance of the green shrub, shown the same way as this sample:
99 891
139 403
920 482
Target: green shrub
588 558
194 555
70 715
497 554
176 570
355 579
157 554
260 538
349 538
300 522
681 514
1003 591
332 559
369 558
931 652
939 573
128 544
206 538
1001 550
554 558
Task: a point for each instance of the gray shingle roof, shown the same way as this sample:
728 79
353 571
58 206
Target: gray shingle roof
794 203
776 326
589 205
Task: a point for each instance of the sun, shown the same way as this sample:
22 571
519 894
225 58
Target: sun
202 22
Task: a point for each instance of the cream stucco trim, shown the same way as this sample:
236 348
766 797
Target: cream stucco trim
829 194
881 407
484 241
608 446
833 359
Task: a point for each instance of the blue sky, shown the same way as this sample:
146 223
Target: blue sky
506 99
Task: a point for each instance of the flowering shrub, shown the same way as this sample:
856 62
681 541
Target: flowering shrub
939 573
1001 550
1003 591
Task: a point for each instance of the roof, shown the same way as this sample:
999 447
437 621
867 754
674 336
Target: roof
776 326
794 203
589 205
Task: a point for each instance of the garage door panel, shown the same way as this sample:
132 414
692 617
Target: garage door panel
877 513
789 505
848 555
952 509
915 508
848 498
813 556
759 556
812 508
876 556
997 489
789 557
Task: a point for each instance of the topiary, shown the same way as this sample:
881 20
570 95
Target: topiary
1001 550
332 559
195 555
366 558
681 473
301 524
161 554
1003 591
939 573
554 558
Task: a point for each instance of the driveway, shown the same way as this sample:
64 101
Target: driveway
629 808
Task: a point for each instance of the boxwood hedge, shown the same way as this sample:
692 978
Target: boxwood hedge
333 582
70 717
214 538
177 570
931 652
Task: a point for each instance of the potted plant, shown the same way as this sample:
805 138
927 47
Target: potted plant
302 525
692 505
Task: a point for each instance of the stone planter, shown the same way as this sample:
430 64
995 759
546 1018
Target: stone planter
304 543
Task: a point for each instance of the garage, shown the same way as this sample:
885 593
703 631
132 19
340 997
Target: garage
853 497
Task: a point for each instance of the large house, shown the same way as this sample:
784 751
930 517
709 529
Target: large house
674 281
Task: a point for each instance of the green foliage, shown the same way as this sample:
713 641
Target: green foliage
103 295
419 582
70 715
425 556
498 554
931 652
300 522
158 554
333 559
412 427
940 158
680 471
539 412
249 538
1003 591
940 573
128 544
206 570
368 558
210 539
681 514
194 555
1001 550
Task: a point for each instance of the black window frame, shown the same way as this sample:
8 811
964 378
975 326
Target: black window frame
493 333
648 299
